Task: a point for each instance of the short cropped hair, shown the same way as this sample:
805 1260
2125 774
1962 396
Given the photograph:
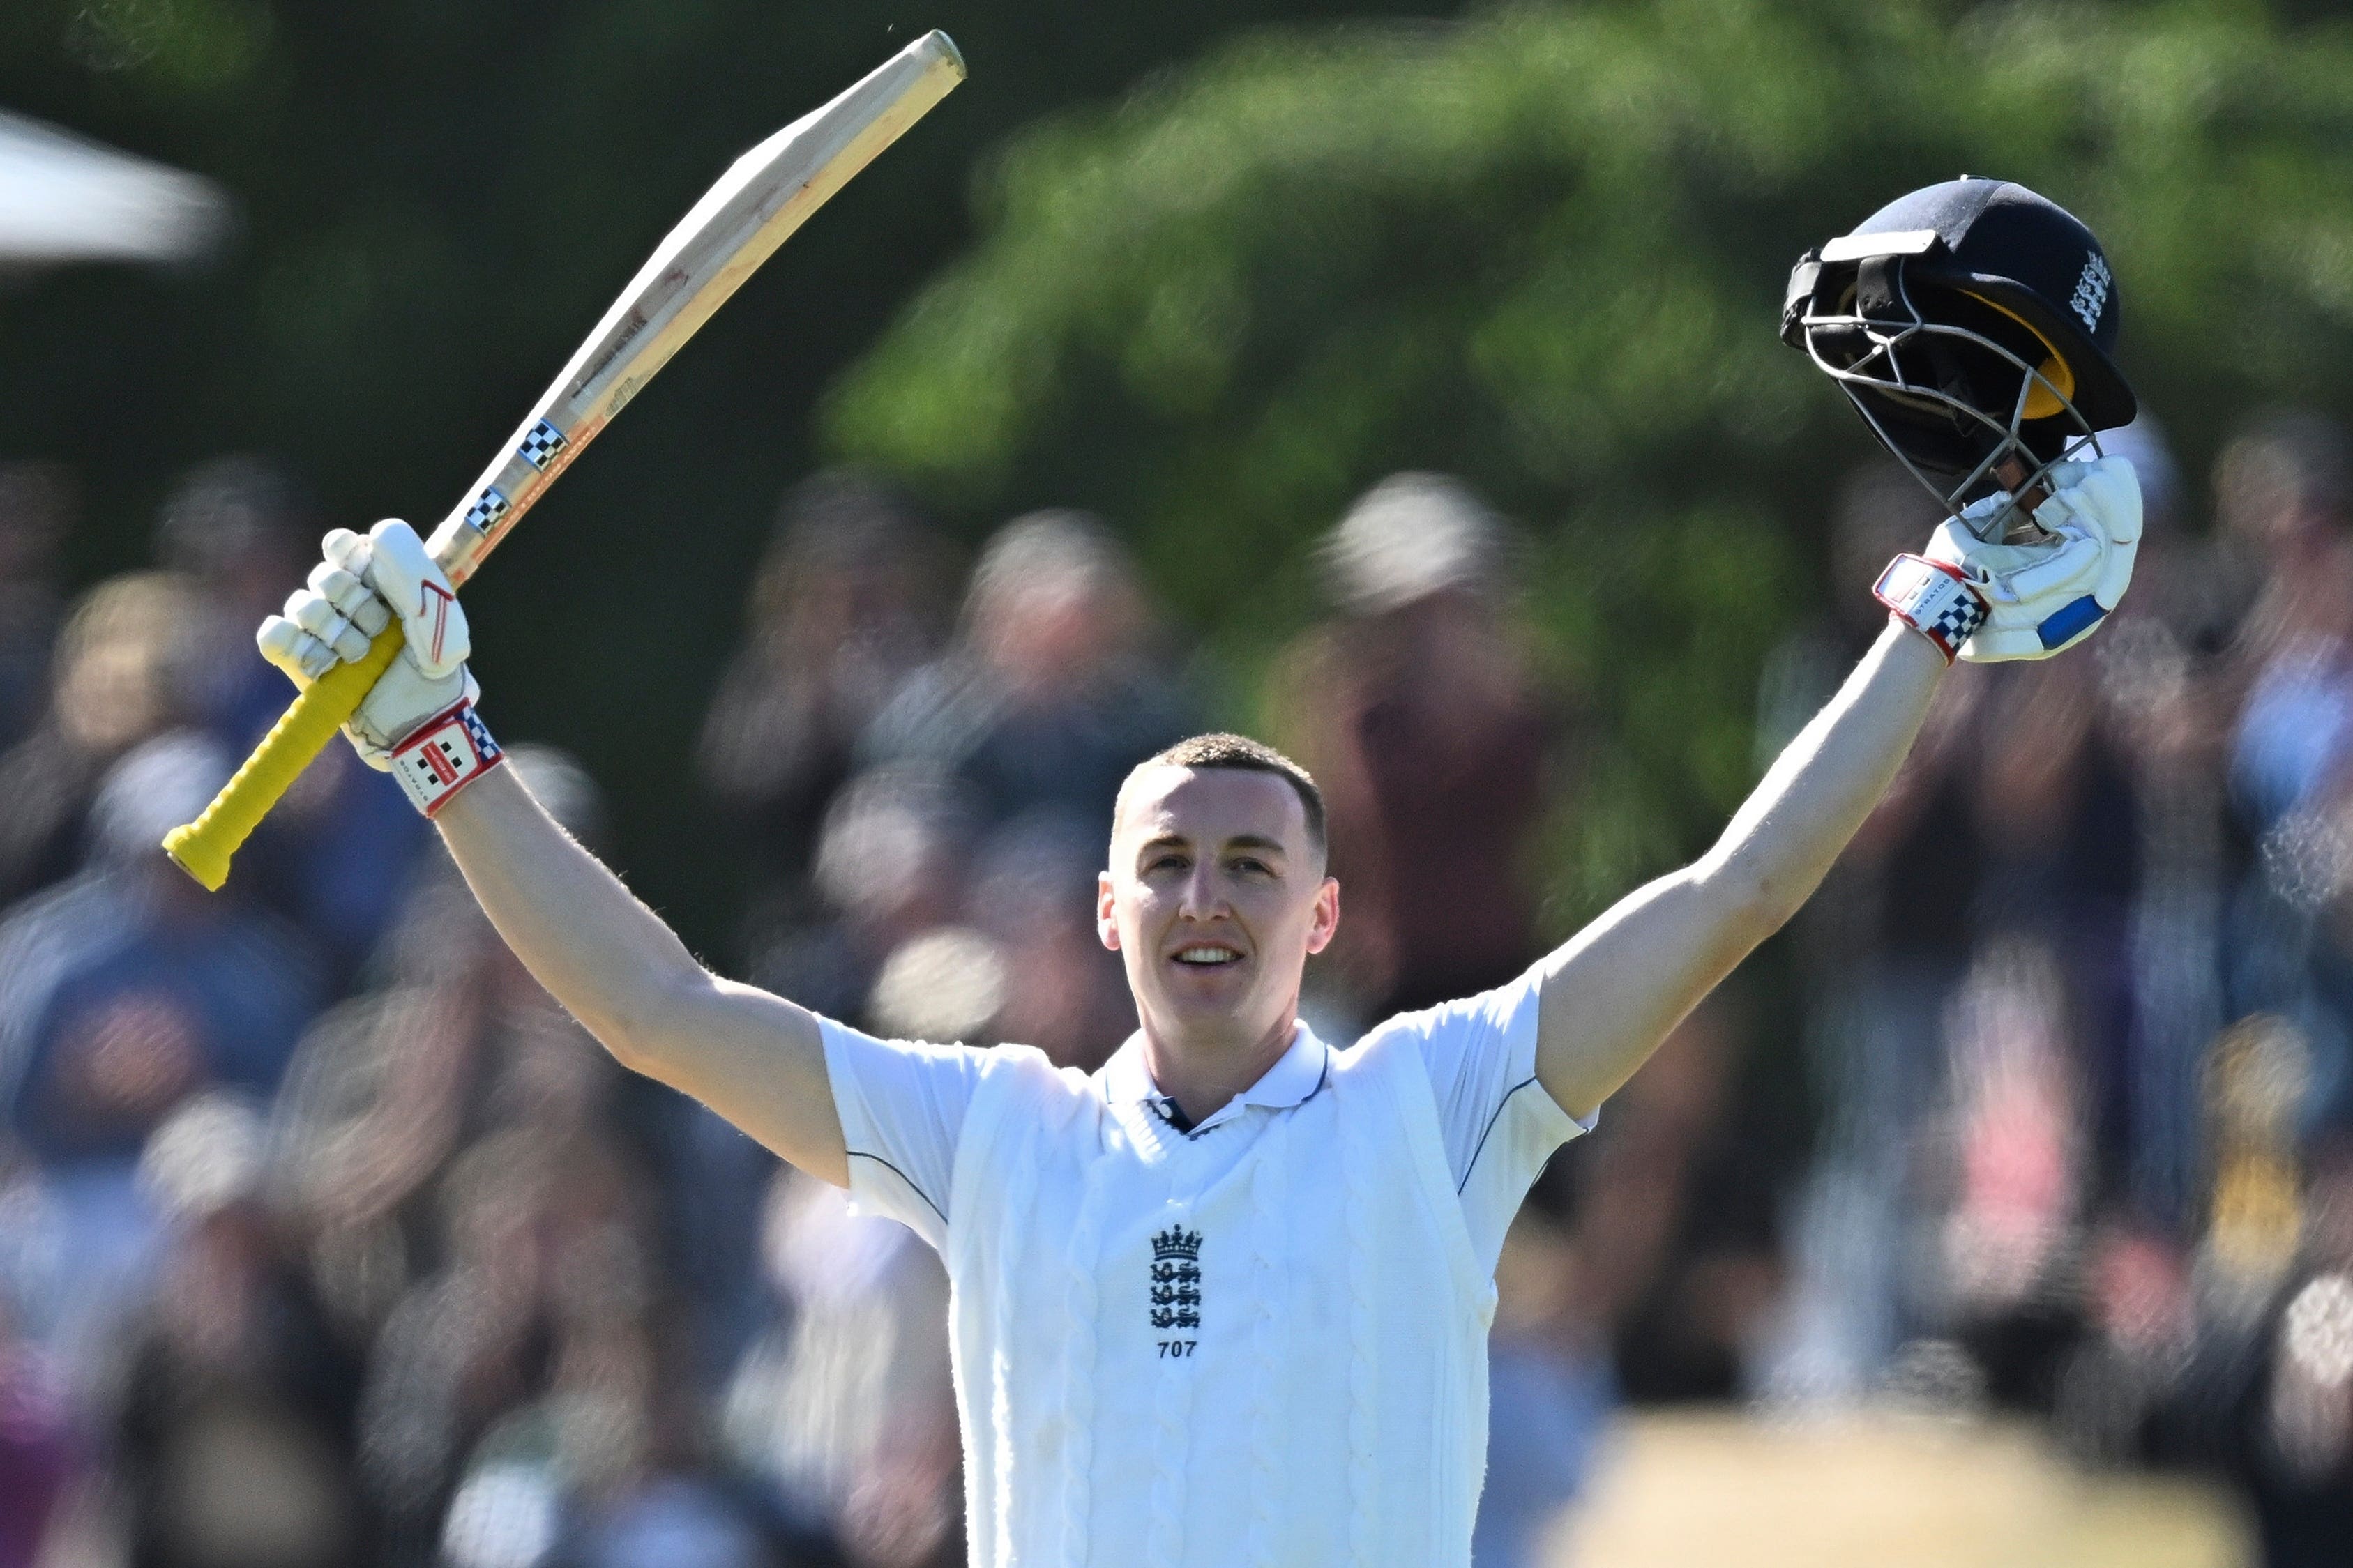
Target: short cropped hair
1245 756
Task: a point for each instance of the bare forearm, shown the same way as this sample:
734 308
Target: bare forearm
582 934
1818 792
756 1059
1611 994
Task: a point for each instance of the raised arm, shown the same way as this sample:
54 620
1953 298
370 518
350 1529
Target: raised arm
756 1059
753 1057
1609 996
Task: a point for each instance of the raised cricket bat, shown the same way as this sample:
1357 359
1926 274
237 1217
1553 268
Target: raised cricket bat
767 194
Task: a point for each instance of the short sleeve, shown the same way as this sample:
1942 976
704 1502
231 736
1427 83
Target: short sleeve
1497 1122
903 1110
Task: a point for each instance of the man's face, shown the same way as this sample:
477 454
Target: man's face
1214 898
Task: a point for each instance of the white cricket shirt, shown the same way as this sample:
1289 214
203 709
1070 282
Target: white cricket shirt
1260 1342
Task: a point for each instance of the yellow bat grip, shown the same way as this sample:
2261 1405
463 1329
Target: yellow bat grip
203 847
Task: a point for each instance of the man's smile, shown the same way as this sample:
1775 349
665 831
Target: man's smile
1207 955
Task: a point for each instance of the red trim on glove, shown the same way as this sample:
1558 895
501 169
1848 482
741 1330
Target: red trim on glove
1935 599
443 755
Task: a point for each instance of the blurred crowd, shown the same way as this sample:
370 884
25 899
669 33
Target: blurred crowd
2079 1002
326 1237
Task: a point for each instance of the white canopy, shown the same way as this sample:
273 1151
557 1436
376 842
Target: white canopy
66 199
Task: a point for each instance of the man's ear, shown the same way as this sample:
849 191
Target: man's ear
1325 921
1106 921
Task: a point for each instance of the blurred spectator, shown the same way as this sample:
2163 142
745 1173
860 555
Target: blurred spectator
1612 1279
603 1469
848 600
1876 965
2052 1163
137 989
846 1404
1051 693
480 1185
385 1086
1417 713
957 874
2302 1443
1971 969
40 1454
1023 962
1032 895
2057 809
234 1432
241 533
2165 708
37 504
451 1289
543 1235
464 1344
195 989
114 681
2283 489
1677 1215
389 1086
887 871
2014 1186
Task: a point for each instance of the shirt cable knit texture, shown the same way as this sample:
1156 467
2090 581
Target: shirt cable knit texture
1270 1194
1080 1307
1356 1161
1172 1405
1021 1198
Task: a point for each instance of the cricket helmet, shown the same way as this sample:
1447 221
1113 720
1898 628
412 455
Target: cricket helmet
1972 323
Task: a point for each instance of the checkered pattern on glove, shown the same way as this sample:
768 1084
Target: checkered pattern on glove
1934 599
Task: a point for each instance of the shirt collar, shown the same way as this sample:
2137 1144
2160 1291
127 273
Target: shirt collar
1294 1079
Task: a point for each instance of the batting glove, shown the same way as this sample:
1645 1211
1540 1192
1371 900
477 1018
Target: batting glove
417 721
1990 601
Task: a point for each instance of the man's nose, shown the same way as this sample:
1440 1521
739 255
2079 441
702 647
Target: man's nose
1204 894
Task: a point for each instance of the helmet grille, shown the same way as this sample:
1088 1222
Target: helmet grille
1965 393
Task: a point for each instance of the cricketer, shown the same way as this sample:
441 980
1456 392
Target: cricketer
1225 1302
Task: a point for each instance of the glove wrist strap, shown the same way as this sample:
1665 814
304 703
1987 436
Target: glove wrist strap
443 755
1934 599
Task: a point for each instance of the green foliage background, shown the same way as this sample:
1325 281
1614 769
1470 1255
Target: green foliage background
1546 249
437 198
1542 246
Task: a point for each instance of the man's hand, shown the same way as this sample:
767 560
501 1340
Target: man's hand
756 1059
2046 597
418 721
348 598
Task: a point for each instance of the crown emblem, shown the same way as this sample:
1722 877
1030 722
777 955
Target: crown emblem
2091 296
1176 1243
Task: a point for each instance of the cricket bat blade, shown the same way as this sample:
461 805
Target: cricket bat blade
756 205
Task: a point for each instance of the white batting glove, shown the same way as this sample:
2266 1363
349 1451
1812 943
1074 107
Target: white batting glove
417 722
1989 602
2045 597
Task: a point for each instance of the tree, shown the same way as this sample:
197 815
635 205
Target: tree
1546 249
437 198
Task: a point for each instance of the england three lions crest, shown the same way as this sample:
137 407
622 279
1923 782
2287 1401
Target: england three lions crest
1176 1278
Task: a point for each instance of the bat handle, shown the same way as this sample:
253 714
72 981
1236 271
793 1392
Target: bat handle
203 847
